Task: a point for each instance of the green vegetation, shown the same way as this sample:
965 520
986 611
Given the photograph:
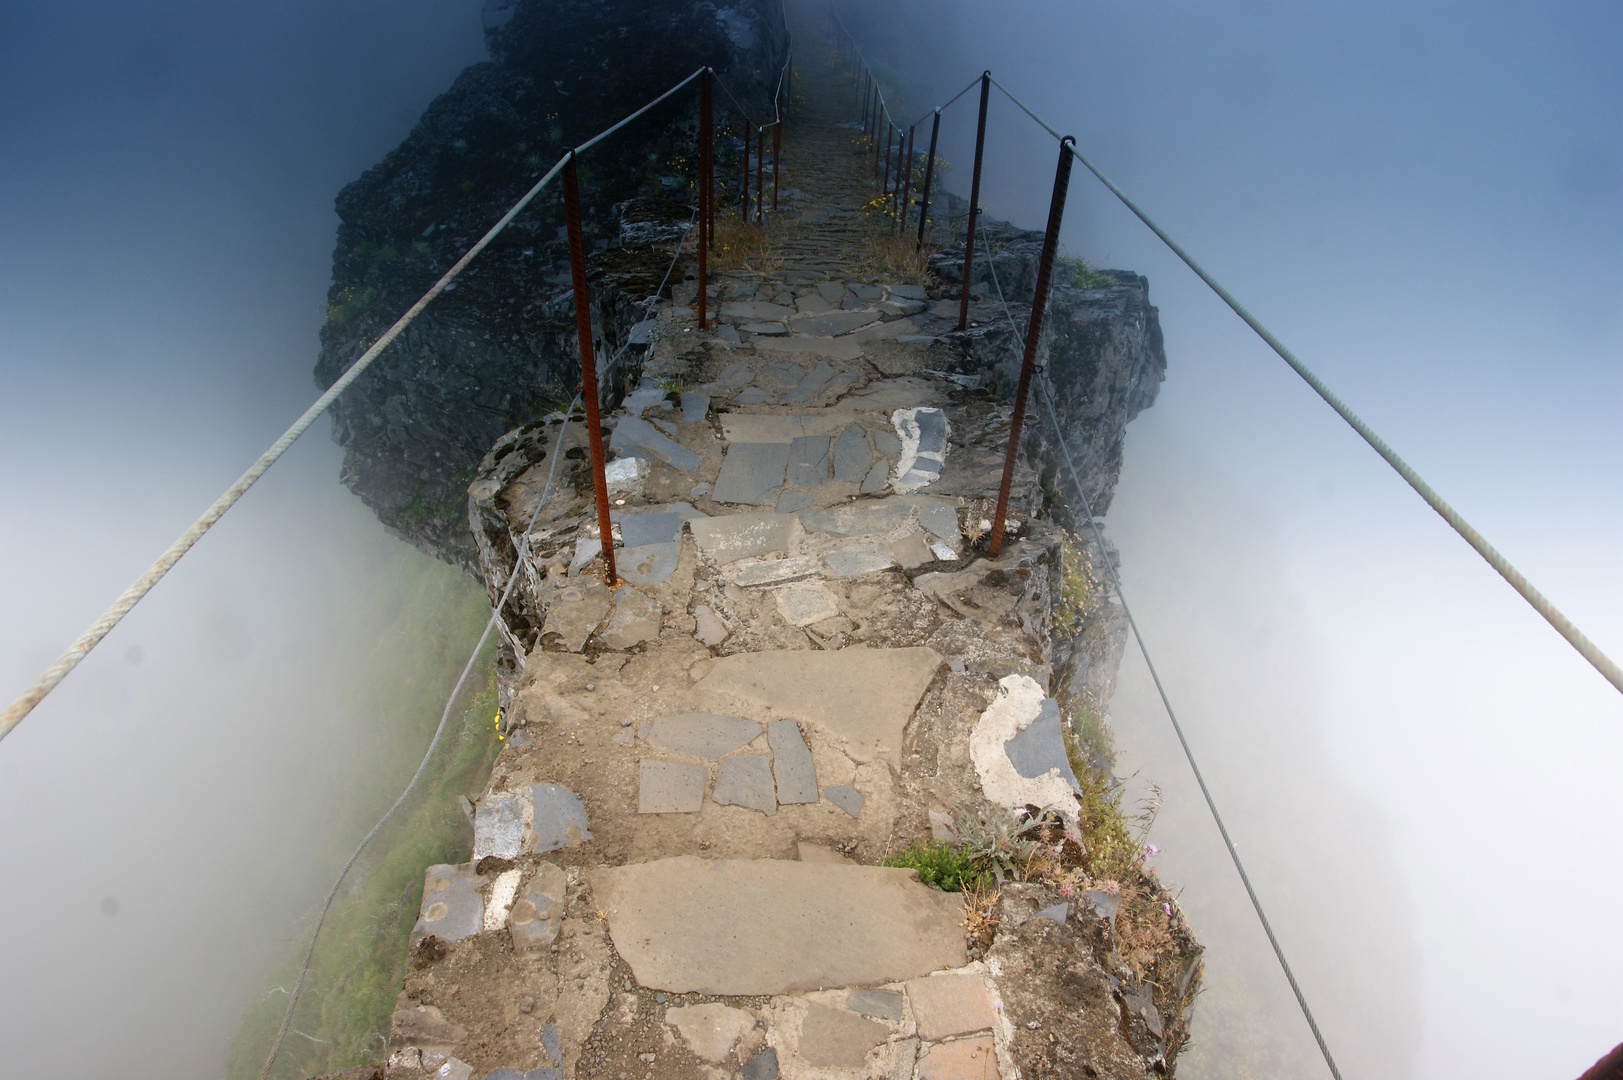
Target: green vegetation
348 303
1084 276
939 864
342 1017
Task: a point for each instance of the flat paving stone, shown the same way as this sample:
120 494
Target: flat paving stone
641 399
755 309
710 629
803 605
832 323
746 780
878 478
883 1004
751 473
703 735
967 1059
851 455
793 501
831 347
772 427
911 551
670 787
780 376
831 291
537 915
763 1066
737 376
695 407
639 529
576 611
452 907
557 819
632 436
886 442
808 461
792 765
906 292
846 797
940 518
813 304
1056 913
636 618
498 827
649 564
765 926
776 571
837 1038
861 557
754 395
587 548
867 292
764 328
738 536
946 1005
710 1030
868 517
1041 747
812 385
865 696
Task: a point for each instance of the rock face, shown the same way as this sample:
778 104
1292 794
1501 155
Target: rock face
1101 342
499 350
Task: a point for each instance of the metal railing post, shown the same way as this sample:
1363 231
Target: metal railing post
760 170
907 183
1034 328
705 179
884 182
744 177
929 174
588 364
777 152
974 200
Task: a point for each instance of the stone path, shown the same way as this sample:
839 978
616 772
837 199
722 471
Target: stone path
796 678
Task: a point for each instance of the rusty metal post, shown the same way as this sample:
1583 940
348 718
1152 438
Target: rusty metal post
878 111
777 151
744 177
867 105
588 364
1034 328
907 183
884 183
705 179
929 174
760 170
974 200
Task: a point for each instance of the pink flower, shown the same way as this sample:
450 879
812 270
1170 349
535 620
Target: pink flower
1167 908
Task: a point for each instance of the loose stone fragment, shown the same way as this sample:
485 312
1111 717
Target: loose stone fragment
1057 913
711 630
846 797
764 926
452 907
851 455
1041 747
1019 703
710 1030
670 787
751 473
835 1038
702 735
792 765
746 780
945 1005
884 1004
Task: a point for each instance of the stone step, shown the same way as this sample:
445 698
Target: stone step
763 926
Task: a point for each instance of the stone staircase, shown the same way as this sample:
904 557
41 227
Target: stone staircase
675 865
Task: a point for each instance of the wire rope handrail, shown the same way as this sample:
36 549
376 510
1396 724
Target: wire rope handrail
81 647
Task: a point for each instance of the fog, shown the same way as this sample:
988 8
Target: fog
1426 203
170 816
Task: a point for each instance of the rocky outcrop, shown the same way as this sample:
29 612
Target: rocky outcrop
497 350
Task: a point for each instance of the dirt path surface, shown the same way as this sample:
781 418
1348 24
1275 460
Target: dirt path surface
809 665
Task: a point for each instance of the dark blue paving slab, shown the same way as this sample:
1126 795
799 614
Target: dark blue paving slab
560 818
932 431
746 780
639 529
751 473
695 407
791 502
452 908
648 564
882 1004
763 1066
846 797
812 384
851 455
792 765
634 437
1041 747
808 461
